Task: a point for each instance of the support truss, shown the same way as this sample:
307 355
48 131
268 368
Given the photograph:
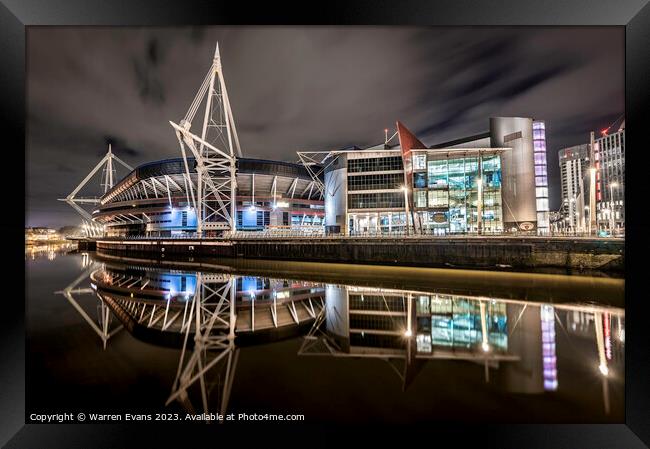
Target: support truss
214 152
211 319
316 162
92 229
102 326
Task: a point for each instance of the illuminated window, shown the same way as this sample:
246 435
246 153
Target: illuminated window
419 162
438 198
420 180
421 198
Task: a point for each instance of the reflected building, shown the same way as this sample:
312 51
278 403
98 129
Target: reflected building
152 298
209 316
516 339
365 321
48 250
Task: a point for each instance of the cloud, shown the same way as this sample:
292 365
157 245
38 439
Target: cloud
303 88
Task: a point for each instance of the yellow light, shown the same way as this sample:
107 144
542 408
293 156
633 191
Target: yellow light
485 346
408 333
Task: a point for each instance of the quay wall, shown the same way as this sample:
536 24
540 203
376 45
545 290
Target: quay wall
485 253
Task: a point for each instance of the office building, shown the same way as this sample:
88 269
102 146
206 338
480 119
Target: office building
609 152
486 183
574 166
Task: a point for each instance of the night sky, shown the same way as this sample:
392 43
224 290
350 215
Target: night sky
303 88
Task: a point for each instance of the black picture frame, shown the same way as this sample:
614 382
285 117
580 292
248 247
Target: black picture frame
634 15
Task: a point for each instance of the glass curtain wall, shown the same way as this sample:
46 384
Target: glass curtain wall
541 179
452 195
454 321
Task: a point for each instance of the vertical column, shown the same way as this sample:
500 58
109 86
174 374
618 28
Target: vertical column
541 176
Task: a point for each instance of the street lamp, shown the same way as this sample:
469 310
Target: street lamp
612 224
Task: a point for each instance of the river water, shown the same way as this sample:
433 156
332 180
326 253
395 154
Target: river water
333 342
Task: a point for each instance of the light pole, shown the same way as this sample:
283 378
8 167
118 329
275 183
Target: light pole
612 223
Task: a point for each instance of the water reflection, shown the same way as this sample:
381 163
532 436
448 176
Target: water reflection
209 316
48 250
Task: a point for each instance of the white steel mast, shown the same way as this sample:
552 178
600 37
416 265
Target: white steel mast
91 228
214 152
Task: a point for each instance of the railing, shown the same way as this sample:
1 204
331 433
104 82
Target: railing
276 233
320 234
187 236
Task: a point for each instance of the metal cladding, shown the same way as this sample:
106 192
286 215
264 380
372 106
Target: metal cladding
407 141
518 190
336 195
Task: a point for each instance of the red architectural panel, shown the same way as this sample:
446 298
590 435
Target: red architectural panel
408 141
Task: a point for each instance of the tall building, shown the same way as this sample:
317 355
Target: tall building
525 190
609 153
574 165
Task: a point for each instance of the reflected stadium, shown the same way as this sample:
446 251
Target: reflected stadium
211 315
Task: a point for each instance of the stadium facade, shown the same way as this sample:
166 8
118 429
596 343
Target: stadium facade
155 199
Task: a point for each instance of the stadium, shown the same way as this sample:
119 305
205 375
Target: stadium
155 199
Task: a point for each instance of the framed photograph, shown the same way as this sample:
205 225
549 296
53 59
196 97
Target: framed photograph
411 215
